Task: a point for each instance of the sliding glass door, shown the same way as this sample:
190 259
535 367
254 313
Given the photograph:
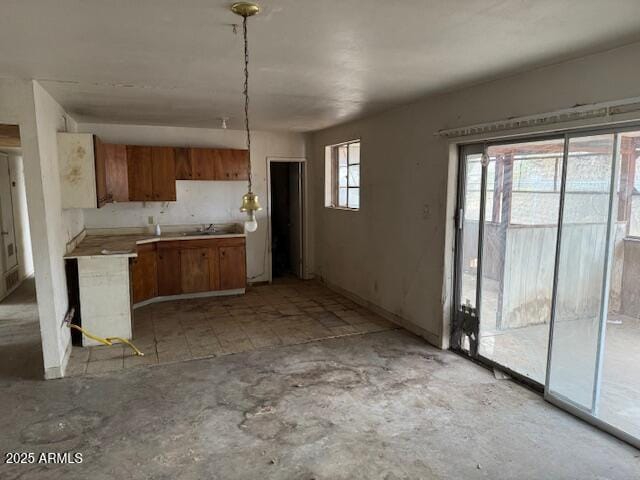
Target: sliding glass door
594 361
518 252
548 269
582 270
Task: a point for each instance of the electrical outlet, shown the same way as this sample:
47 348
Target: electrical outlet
150 219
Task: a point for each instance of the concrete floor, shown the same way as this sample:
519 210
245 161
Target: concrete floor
20 344
380 405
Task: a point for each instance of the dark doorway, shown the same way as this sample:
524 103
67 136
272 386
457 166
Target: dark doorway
286 218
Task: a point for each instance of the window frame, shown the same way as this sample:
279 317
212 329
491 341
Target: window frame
334 179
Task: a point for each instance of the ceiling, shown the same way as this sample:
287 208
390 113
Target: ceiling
313 63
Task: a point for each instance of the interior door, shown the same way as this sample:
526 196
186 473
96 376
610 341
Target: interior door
295 217
9 253
584 250
470 218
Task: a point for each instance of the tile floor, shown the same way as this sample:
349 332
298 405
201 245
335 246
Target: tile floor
284 313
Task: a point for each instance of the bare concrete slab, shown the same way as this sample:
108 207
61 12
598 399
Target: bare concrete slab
381 405
20 344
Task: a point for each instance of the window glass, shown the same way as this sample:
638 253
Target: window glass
354 152
342 155
342 197
343 179
342 170
354 175
354 198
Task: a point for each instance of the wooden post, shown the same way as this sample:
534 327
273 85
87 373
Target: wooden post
628 147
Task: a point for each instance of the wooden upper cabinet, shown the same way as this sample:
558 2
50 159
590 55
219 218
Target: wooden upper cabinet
214 164
100 155
233 267
183 164
231 164
203 161
140 176
116 168
195 273
112 184
144 174
144 273
163 173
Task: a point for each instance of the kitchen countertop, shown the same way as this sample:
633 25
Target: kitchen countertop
92 245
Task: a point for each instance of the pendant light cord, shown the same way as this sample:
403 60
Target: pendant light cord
246 97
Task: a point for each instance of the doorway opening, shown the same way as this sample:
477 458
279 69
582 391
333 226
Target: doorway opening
547 268
286 217
20 341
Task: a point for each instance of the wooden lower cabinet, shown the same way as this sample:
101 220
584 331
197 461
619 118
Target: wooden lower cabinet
169 271
144 274
194 273
214 267
188 266
233 271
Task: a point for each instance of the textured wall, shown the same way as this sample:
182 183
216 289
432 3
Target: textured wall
392 252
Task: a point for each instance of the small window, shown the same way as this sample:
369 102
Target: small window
342 175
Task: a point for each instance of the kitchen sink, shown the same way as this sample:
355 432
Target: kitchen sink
209 233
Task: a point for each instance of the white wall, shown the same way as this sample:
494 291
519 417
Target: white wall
27 104
57 226
392 252
199 201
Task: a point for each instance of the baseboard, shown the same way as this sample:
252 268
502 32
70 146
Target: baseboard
392 317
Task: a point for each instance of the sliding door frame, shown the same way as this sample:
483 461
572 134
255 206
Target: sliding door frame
456 325
463 150
555 399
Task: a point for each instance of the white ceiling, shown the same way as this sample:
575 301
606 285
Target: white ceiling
314 63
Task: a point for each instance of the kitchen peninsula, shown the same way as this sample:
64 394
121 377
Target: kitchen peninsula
119 272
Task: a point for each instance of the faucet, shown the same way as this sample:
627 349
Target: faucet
210 228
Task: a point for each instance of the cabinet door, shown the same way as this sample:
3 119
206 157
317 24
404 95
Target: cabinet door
232 165
239 163
115 157
139 169
163 173
144 274
169 271
202 163
194 263
214 268
233 269
101 171
183 164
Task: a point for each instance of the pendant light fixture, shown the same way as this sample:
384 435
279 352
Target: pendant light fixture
250 203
